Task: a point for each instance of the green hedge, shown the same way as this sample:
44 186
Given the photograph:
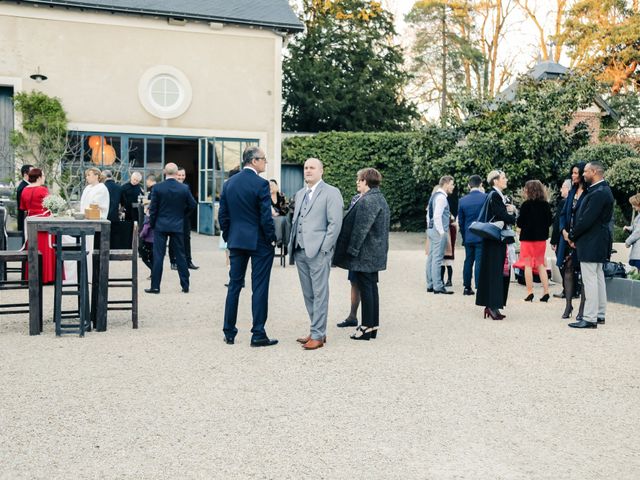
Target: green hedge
343 154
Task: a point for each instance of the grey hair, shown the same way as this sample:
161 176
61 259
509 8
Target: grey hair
170 169
249 154
317 160
597 167
138 175
106 174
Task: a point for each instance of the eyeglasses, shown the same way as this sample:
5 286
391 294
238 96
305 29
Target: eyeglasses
260 158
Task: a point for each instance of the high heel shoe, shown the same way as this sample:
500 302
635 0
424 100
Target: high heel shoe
374 332
568 311
362 333
530 298
545 298
495 315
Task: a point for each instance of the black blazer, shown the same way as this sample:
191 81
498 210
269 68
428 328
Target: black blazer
171 201
363 242
114 200
591 232
128 196
497 210
21 213
534 220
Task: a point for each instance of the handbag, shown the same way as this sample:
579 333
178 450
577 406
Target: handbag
614 269
490 230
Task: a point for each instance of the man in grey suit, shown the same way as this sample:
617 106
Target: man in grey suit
317 220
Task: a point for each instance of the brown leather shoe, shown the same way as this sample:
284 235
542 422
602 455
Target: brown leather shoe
313 345
304 340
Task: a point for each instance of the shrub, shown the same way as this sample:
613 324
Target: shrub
606 153
344 153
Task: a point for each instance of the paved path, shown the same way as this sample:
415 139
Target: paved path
441 394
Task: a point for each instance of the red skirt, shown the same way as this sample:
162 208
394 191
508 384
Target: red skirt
532 253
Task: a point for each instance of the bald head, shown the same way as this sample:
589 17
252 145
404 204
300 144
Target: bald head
313 170
170 169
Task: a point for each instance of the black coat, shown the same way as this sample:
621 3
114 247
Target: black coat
534 220
555 229
492 289
591 232
21 213
363 242
128 196
114 200
171 201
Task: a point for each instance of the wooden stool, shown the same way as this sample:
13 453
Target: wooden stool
17 308
76 253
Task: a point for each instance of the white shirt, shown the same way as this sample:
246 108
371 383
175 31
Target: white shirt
95 194
439 204
311 190
251 168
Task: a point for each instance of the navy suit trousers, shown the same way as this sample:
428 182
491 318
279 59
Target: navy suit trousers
472 254
159 250
261 263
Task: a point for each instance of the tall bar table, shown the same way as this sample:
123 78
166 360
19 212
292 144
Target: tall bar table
46 224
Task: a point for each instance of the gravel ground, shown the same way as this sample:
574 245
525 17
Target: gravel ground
441 394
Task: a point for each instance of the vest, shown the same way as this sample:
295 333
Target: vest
446 214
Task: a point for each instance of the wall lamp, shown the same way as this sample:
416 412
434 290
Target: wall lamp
38 77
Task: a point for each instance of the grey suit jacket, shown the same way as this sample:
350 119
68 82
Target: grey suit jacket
321 225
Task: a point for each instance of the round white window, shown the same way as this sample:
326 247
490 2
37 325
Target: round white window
165 92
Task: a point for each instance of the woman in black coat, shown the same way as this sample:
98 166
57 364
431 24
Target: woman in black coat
362 247
493 284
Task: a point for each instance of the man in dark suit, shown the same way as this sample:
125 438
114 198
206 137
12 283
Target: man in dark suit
182 175
592 239
131 192
247 227
468 209
170 203
24 171
114 196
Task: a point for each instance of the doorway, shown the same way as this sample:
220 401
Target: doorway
184 153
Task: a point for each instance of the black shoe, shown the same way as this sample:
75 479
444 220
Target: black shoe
568 311
468 291
362 333
348 322
601 321
185 290
545 298
226 285
229 341
448 284
583 324
191 266
174 266
152 290
529 298
559 295
265 342
429 290
444 291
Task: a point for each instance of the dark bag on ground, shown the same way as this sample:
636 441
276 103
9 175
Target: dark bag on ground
614 269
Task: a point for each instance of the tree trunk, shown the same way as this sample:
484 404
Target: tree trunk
443 111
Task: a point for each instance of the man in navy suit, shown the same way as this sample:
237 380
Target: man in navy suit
247 227
468 210
171 201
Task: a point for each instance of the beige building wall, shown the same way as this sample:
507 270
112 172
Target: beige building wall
94 63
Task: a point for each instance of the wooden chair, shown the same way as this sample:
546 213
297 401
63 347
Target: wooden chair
22 284
6 238
129 304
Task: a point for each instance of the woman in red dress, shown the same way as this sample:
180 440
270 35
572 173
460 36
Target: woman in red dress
31 202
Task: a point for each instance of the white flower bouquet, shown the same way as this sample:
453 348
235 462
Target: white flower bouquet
55 204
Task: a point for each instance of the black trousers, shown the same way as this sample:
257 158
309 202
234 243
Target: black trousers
159 251
368 285
186 239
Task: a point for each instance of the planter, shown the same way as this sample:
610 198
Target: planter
623 290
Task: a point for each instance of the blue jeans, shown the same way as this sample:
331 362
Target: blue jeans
472 253
437 246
